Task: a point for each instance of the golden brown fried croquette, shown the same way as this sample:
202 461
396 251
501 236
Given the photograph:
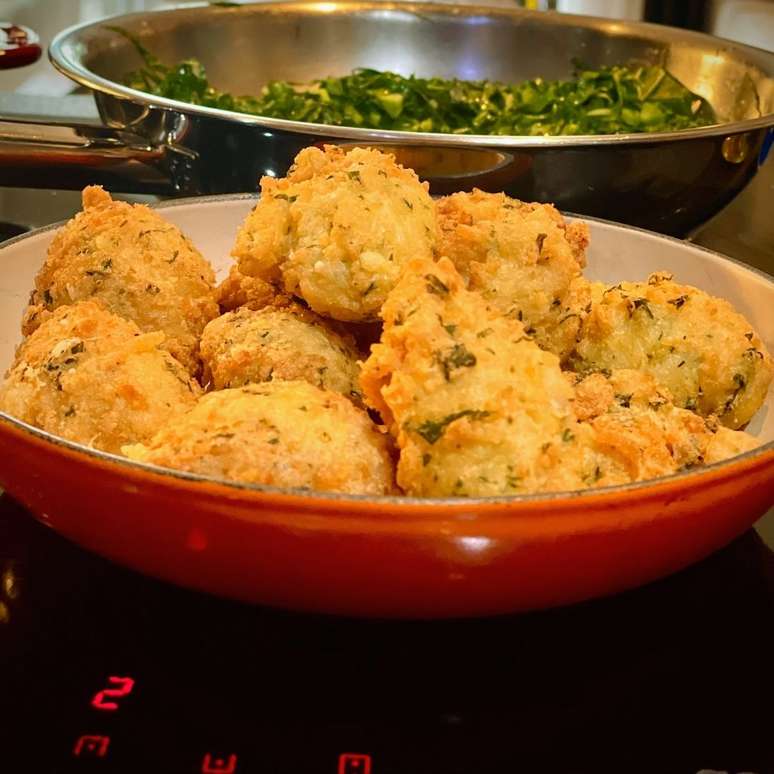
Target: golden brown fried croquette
137 265
237 291
285 434
287 343
523 258
639 434
338 230
697 346
476 407
90 376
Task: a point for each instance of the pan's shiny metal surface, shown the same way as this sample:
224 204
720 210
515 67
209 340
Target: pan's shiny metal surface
670 182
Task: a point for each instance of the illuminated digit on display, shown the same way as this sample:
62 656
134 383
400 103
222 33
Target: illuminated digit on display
123 687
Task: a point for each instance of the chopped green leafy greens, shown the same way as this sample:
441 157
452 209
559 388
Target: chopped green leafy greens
605 100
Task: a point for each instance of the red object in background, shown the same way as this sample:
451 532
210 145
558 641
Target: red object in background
354 763
91 747
19 46
124 688
214 765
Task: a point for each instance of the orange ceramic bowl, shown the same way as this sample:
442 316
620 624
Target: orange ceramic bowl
394 557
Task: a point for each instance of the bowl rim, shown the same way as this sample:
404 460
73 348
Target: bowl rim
431 504
61 53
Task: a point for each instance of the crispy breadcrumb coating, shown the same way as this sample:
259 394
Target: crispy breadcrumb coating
284 434
639 434
338 230
476 407
287 343
695 345
90 376
135 264
237 291
524 258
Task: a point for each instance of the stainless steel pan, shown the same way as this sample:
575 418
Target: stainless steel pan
670 182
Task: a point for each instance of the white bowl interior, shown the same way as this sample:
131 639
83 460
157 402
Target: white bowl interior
616 253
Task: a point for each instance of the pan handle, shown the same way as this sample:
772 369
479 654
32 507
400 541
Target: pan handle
72 156
57 155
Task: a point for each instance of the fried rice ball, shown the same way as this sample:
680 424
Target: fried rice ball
137 265
695 345
90 376
284 434
338 230
288 343
476 407
524 258
639 434
238 291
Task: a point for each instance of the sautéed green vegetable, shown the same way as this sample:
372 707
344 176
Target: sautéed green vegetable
604 100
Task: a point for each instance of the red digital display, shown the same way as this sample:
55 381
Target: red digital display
213 764
354 763
122 686
91 747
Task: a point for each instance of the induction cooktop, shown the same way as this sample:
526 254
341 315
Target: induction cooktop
104 670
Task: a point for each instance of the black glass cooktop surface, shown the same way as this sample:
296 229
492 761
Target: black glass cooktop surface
103 670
